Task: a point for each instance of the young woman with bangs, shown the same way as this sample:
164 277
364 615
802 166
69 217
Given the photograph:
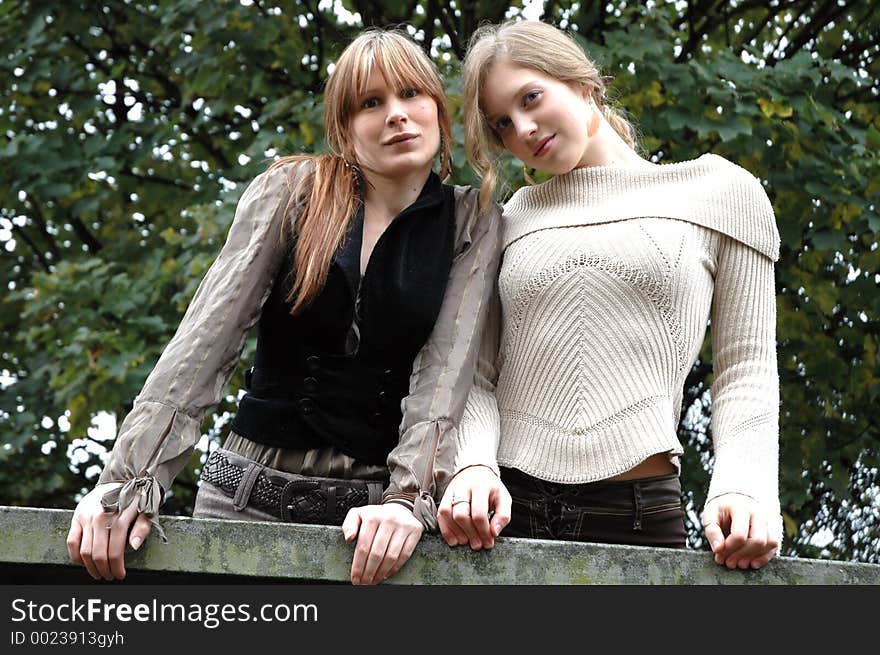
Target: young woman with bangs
368 280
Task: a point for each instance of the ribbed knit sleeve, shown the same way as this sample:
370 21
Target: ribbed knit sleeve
745 395
480 427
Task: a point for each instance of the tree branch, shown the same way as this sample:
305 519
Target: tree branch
760 26
804 36
40 220
84 235
33 246
155 180
458 46
788 29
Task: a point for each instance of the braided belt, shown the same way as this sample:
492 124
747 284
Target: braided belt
288 496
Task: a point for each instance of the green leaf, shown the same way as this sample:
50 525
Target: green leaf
872 137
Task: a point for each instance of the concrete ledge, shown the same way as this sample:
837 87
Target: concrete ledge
32 540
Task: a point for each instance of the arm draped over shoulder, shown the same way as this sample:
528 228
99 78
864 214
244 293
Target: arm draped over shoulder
423 462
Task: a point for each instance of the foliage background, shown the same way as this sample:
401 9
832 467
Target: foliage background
127 130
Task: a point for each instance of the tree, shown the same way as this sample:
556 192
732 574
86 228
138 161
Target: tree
129 128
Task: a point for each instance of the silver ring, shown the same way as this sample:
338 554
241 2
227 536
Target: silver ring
460 500
706 525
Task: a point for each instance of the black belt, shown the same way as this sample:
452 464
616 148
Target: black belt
289 496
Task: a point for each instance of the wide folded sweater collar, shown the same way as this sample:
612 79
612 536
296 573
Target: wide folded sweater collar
709 191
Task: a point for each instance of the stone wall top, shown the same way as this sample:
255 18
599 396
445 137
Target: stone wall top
33 540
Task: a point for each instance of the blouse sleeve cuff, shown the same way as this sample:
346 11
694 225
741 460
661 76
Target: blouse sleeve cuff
145 491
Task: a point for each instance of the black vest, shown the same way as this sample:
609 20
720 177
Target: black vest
336 373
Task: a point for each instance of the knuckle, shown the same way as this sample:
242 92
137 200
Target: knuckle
458 513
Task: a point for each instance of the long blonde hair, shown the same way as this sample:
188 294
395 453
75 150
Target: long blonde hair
534 45
333 185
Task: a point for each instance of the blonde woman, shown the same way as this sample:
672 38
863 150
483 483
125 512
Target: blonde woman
368 279
610 273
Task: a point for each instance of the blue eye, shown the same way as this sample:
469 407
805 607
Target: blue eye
369 103
409 93
531 97
501 124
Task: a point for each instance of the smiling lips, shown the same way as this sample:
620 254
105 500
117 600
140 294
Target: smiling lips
544 146
402 137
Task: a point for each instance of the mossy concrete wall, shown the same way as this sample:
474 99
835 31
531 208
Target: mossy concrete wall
33 549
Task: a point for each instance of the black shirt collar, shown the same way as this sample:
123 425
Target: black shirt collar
348 256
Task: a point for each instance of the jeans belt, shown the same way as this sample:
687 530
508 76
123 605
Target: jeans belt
289 496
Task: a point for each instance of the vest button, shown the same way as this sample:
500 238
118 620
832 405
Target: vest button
306 405
376 418
383 397
310 384
312 363
388 376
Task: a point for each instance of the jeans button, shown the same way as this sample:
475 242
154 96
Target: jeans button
310 384
306 405
312 363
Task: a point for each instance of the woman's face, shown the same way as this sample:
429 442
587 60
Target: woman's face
540 120
394 132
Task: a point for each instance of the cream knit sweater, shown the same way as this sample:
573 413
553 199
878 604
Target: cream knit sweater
608 280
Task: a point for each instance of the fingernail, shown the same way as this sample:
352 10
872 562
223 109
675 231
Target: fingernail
136 543
715 544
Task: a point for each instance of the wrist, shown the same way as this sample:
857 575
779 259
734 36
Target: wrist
404 500
730 493
473 466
